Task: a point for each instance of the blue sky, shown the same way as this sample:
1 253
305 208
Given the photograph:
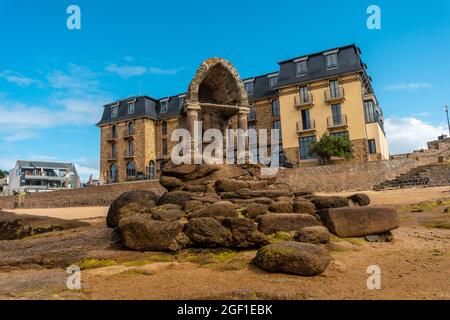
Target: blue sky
54 81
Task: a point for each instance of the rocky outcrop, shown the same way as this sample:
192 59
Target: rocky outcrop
314 235
302 259
359 221
14 226
360 199
304 206
275 222
143 234
145 198
329 202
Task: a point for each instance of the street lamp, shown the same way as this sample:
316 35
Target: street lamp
448 121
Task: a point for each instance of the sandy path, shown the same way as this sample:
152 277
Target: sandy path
75 213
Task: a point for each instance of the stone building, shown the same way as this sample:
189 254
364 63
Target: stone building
326 92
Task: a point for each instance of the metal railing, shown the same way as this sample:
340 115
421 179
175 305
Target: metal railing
334 94
129 132
337 121
112 155
302 100
303 126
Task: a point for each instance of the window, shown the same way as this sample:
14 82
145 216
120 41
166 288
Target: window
249 87
131 129
130 149
340 134
306 120
164 106
164 147
151 170
114 110
304 143
336 110
251 126
369 111
331 60
304 94
113 151
277 125
113 173
164 128
334 89
372 146
131 169
276 108
181 101
131 106
252 115
113 132
273 80
302 67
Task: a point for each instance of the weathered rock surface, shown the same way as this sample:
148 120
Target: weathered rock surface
215 210
207 232
359 221
360 199
281 207
14 226
245 233
175 197
275 222
382 237
230 185
170 183
329 202
314 235
168 215
250 194
302 259
304 206
143 234
145 198
256 209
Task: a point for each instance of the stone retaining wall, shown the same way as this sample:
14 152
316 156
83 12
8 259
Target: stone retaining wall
93 196
350 176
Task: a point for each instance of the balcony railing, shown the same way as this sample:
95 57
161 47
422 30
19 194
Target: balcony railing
306 126
129 133
112 156
337 121
112 137
303 100
334 94
130 154
251 116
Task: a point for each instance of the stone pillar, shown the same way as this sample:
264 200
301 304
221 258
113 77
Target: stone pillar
192 117
243 125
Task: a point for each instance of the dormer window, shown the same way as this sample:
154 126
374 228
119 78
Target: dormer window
301 66
249 87
273 80
114 111
181 101
331 59
164 106
131 107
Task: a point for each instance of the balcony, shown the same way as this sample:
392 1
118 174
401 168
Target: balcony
251 116
303 101
112 137
306 127
334 95
130 154
337 122
129 134
112 156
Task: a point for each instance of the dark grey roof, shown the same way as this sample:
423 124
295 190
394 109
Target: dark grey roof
44 164
349 60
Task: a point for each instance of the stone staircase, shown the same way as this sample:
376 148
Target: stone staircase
432 175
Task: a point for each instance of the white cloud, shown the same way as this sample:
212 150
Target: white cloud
409 134
19 135
17 78
128 71
409 86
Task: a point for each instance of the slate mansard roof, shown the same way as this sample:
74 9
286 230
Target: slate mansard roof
349 61
42 164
